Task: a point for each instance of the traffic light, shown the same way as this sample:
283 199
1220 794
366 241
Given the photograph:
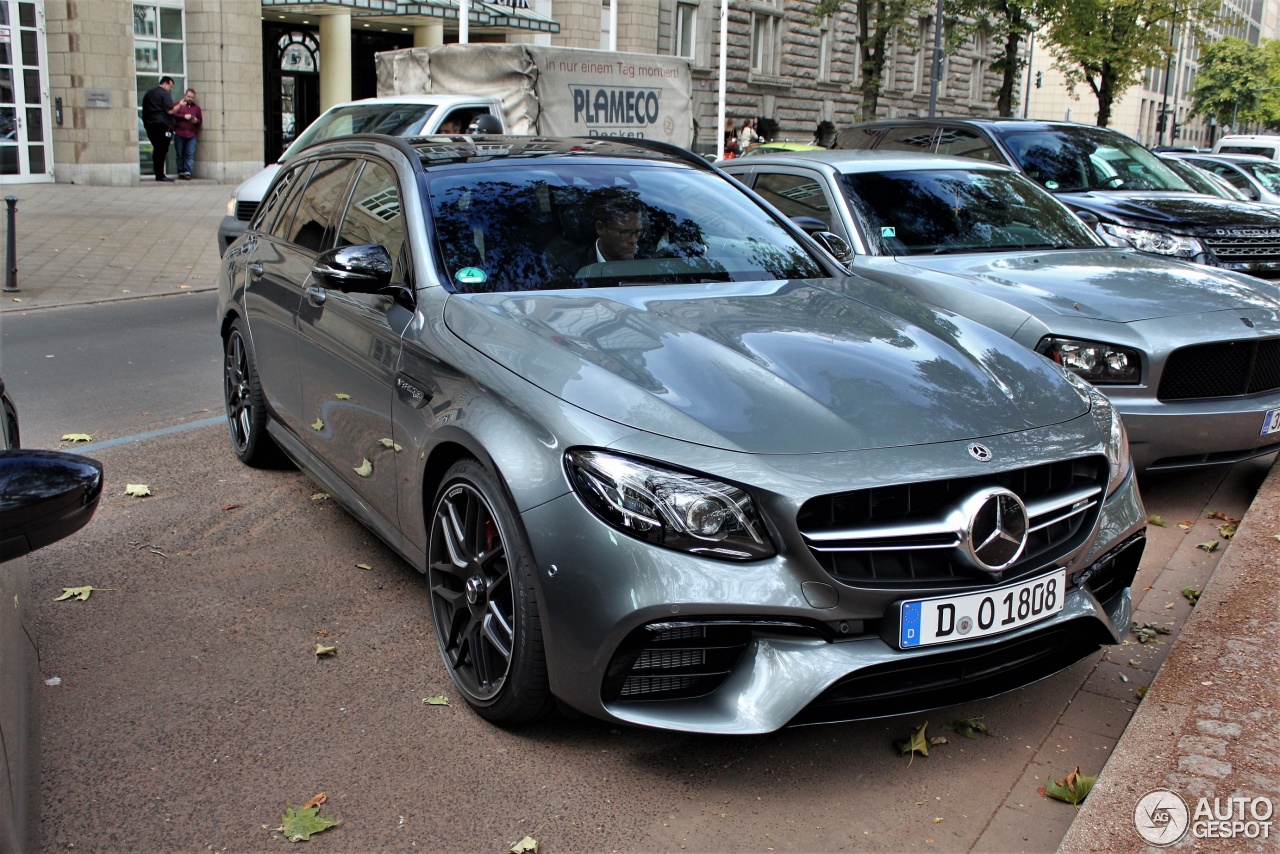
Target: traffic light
1177 130
1039 79
1162 122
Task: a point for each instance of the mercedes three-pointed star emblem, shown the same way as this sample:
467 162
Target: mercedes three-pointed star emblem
996 532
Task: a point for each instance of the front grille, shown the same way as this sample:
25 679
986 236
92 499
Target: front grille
246 210
899 536
667 661
1221 369
1263 249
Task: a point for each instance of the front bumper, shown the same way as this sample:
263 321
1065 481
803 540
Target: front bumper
1192 433
228 230
599 588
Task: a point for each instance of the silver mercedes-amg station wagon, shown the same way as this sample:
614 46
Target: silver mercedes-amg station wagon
657 455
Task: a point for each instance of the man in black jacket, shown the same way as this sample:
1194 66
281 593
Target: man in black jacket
157 118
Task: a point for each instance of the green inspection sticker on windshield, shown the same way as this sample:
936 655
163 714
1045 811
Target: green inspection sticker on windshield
1051 185
471 276
888 231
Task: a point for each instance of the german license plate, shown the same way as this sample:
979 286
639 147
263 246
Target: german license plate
947 619
1271 422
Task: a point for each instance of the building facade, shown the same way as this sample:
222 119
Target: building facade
263 69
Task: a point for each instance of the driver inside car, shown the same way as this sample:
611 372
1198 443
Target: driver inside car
620 220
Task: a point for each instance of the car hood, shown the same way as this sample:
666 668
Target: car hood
1107 284
770 368
1184 213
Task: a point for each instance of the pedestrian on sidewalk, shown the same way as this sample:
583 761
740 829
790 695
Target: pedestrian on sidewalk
157 119
186 128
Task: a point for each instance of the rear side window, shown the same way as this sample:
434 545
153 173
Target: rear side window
794 195
287 202
966 143
913 138
273 203
1269 153
856 138
324 194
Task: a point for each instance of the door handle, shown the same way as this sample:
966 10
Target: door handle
316 295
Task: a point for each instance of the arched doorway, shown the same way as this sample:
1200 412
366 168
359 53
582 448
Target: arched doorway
291 97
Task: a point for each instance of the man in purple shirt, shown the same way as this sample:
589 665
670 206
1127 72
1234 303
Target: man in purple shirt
186 125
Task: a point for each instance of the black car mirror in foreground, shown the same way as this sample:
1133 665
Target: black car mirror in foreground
44 496
355 269
835 244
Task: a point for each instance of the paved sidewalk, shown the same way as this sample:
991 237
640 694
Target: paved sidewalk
80 244
1210 724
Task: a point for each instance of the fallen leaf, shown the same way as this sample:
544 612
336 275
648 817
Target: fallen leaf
320 496
1192 594
915 743
80 594
318 425
231 507
1141 692
1158 521
183 287
323 651
340 396
363 566
1228 530
1185 525
1147 632
316 801
969 727
937 820
366 469
76 437
938 739
528 845
1222 517
438 700
1209 546
1073 789
137 490
299 825
387 443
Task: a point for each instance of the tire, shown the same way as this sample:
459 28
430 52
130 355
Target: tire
246 406
483 601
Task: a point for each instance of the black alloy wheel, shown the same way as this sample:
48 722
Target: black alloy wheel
482 599
246 410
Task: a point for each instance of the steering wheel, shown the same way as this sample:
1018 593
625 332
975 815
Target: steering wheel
1111 181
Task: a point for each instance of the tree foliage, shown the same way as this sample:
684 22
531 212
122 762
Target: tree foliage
1107 45
1009 22
877 22
1227 83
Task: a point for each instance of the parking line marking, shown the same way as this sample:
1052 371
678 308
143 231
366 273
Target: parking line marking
152 434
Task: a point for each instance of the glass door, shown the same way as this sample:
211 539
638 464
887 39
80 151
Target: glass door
26 154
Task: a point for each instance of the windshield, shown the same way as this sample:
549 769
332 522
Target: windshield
391 119
958 210
1202 181
1081 159
1268 174
521 227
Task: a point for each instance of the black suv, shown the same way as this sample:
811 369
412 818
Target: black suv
1137 199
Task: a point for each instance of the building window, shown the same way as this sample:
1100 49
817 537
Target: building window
686 29
766 38
159 50
978 72
826 35
924 55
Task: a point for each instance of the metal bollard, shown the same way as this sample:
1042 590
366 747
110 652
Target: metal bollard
11 259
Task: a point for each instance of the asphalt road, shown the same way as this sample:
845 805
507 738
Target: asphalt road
190 707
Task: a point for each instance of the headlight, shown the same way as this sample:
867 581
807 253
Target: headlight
1099 363
1114 438
1155 242
231 206
669 508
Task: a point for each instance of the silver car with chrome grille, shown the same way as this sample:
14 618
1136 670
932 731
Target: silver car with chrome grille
1189 354
656 455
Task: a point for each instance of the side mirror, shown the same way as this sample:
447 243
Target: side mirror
835 244
355 269
810 224
1089 218
44 496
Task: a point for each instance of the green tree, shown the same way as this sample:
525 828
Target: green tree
1267 95
1226 87
1109 44
877 21
1009 22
